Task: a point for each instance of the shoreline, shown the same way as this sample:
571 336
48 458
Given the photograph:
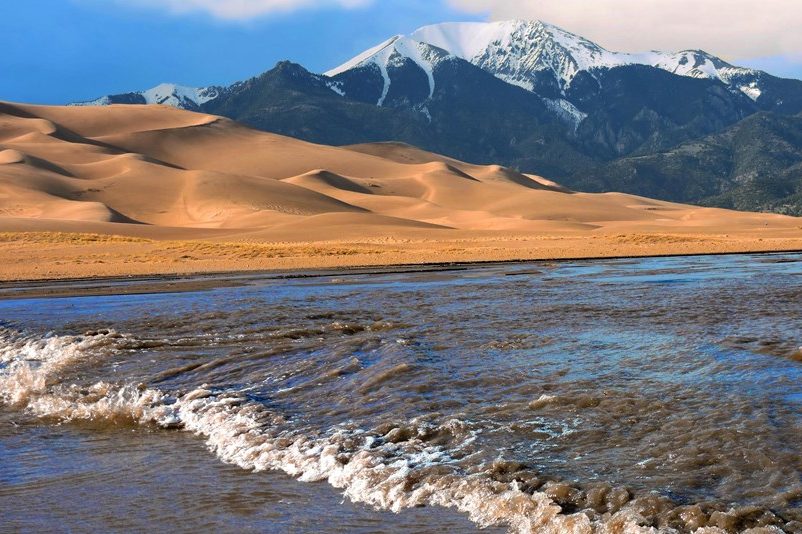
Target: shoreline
156 283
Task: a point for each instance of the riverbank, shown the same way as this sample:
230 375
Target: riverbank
166 265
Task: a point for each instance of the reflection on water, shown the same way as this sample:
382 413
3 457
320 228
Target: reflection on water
612 396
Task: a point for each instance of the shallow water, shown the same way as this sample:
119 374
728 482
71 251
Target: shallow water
611 396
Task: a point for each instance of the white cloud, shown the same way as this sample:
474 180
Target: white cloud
244 9
733 29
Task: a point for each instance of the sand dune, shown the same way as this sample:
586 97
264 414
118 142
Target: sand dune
7 157
163 173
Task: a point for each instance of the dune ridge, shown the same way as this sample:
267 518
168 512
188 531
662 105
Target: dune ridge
163 174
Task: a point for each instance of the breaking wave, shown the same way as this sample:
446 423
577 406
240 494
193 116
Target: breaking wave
392 467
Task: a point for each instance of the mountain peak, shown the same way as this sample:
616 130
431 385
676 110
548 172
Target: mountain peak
521 52
515 49
394 47
393 54
289 68
167 94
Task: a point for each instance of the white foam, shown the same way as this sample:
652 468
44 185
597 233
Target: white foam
27 364
368 468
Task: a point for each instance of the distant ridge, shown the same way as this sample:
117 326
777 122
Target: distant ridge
541 99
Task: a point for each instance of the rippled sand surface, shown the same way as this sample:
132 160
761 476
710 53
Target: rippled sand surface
614 396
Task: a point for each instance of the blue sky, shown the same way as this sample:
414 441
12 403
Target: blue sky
58 51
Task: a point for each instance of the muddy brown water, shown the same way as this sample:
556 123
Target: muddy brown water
606 396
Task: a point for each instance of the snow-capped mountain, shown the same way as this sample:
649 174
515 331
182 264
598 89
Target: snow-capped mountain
534 55
167 94
567 71
394 54
520 52
393 60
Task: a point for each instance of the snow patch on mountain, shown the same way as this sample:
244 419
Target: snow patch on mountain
382 66
337 87
425 112
752 91
102 101
566 111
169 94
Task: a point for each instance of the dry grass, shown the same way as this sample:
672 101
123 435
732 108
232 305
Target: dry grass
193 249
656 239
66 238
245 250
140 249
52 255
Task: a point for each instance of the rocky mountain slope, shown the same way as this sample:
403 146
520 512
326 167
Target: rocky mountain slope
754 165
